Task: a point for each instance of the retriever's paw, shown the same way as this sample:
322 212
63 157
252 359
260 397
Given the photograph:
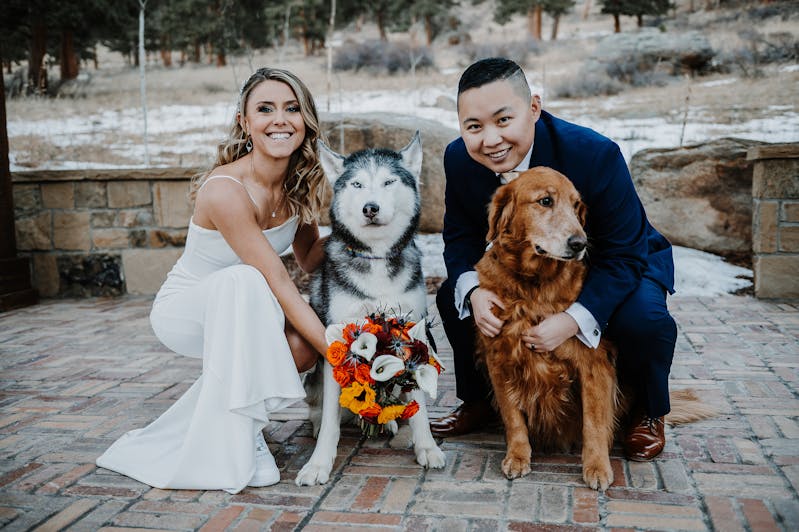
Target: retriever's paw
598 476
312 474
515 466
430 457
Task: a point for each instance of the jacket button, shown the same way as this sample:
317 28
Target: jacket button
596 332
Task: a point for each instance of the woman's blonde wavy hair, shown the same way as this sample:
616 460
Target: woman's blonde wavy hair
305 185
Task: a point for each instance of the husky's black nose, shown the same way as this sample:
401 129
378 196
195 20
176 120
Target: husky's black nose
371 209
576 243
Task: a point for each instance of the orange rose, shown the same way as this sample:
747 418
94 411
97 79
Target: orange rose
372 328
410 409
371 411
361 374
342 376
350 331
336 353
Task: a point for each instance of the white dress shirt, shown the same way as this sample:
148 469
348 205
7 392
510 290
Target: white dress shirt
589 332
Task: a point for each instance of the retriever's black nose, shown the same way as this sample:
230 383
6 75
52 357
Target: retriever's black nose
371 209
576 243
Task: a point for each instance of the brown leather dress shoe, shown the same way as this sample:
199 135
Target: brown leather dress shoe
466 418
645 438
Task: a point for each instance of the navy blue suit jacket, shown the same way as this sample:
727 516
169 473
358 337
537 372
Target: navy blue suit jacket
623 246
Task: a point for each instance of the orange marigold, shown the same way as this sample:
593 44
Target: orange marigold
390 413
410 409
336 353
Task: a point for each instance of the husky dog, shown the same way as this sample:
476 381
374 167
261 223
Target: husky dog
372 265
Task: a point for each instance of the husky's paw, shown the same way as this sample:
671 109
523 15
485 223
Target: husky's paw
430 457
403 438
312 474
598 476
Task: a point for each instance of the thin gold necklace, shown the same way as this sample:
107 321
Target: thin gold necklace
282 193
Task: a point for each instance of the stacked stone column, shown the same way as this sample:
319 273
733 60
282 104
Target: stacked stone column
775 220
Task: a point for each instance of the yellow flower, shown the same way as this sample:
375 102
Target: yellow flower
357 396
390 413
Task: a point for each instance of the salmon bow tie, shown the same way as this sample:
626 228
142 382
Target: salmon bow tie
507 177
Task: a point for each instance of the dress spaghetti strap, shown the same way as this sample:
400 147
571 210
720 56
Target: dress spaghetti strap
232 179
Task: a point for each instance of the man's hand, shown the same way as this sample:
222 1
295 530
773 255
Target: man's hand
482 301
551 332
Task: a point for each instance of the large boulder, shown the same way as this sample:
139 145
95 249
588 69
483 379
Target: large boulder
650 49
699 196
347 133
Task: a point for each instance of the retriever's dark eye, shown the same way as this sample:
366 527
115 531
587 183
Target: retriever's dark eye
546 201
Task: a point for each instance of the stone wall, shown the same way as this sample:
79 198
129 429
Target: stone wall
775 220
101 232
109 232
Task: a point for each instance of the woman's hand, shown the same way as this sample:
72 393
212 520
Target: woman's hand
482 301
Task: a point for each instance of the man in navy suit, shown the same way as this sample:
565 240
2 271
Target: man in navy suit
504 129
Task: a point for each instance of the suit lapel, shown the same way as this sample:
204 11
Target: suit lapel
543 149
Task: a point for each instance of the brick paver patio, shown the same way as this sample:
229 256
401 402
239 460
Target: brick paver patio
76 374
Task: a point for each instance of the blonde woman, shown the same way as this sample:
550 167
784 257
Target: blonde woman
230 300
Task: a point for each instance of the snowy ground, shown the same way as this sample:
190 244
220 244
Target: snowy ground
184 129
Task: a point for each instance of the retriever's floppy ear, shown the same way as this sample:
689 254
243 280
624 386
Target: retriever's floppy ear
500 212
582 212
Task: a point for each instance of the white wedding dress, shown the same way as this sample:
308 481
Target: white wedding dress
213 306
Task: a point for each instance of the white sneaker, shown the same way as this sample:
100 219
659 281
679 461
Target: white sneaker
266 471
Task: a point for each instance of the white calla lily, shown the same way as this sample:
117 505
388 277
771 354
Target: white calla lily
386 366
426 377
334 332
365 345
417 332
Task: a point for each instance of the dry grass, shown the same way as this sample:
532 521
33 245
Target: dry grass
115 87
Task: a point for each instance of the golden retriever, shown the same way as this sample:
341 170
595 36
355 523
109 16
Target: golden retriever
534 264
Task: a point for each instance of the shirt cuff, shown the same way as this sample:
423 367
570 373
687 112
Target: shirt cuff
589 333
463 286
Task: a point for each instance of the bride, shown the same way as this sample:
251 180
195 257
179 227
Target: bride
230 301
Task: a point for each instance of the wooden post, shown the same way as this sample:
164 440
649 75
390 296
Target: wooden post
15 272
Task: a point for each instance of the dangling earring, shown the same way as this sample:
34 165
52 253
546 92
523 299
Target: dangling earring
248 146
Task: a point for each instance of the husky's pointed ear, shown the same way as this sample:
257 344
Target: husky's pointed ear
332 163
412 156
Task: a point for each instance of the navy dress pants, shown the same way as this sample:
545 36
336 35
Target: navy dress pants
641 327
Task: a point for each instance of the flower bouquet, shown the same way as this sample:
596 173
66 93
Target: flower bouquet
377 362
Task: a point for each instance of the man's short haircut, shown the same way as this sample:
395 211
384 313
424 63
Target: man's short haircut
493 69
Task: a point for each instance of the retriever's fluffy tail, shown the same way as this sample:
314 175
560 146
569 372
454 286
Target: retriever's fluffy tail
687 407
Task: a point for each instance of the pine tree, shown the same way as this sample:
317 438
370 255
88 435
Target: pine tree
534 10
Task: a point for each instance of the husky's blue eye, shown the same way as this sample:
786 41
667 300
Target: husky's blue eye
356 184
389 182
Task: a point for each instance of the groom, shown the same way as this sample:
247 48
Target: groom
503 129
